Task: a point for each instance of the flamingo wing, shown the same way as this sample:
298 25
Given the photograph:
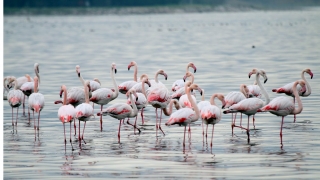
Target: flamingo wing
75 95
182 116
184 101
211 114
118 110
281 106
27 88
254 90
202 104
36 102
84 111
248 106
233 98
94 85
125 86
15 98
138 87
178 84
102 95
287 89
66 113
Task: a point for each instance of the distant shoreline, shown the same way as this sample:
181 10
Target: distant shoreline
143 10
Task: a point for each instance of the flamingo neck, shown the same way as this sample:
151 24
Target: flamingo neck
202 96
35 85
64 95
86 94
16 86
156 77
134 111
36 68
168 111
116 89
212 99
135 73
193 104
308 92
264 92
142 87
5 84
298 99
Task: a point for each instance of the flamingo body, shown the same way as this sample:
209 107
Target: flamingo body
102 96
66 113
36 102
15 97
210 114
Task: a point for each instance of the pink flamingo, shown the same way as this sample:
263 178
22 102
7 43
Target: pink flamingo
283 106
288 88
15 97
121 111
249 106
211 114
125 86
84 111
185 116
142 99
138 86
182 91
36 102
158 96
6 87
180 83
103 96
66 113
235 97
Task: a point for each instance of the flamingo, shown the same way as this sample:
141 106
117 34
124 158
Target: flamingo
185 116
36 101
255 90
125 86
180 83
66 114
121 111
158 96
249 106
181 91
15 97
211 114
235 97
287 89
103 96
283 105
138 86
84 111
6 87
142 99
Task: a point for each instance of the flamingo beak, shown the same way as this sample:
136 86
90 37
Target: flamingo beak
265 80
311 74
129 67
166 76
250 73
115 71
137 98
78 74
148 82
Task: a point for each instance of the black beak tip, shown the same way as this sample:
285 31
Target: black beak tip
115 71
78 74
265 80
222 107
128 69
136 98
166 78
60 96
195 71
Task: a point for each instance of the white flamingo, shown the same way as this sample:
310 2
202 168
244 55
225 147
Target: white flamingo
103 96
182 91
36 101
125 86
66 114
121 111
15 98
180 83
283 105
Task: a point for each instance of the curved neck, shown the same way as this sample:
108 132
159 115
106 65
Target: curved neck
264 92
116 90
156 77
193 104
134 111
36 85
81 79
135 73
212 99
64 95
308 92
142 87
37 74
5 84
298 99
168 111
86 94
192 78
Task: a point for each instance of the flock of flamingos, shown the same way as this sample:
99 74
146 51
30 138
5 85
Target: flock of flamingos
144 92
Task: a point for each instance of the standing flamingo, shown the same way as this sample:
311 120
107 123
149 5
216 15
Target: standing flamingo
212 114
84 111
121 111
138 86
103 96
66 113
283 105
6 86
125 86
185 116
182 91
142 99
288 88
158 96
249 106
15 98
235 97
180 83
36 101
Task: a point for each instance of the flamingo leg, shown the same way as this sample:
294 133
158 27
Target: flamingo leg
232 123
28 112
294 116
212 134
240 119
101 119
70 136
156 122
119 132
24 114
17 117
206 132
65 140
253 120
79 138
12 117
142 116
75 128
34 121
38 120
248 134
160 122
281 131
202 132
184 137
84 126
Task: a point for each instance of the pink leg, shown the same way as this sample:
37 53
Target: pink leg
202 132
240 119
156 122
75 127
34 121
281 131
79 138
101 119
12 117
70 136
232 123
38 120
253 120
119 132
160 122
212 134
83 131
294 116
17 117
142 116
65 140
248 130
24 113
207 133
184 137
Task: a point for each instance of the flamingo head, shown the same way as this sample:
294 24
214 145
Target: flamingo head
36 67
253 71
78 70
192 66
113 67
97 80
309 72
195 87
264 75
221 98
146 80
132 63
188 74
303 87
163 73
143 76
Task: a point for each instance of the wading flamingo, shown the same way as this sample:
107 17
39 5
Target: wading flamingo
84 111
121 111
36 102
283 105
125 86
15 98
66 114
185 116
103 96
288 88
180 83
158 97
182 91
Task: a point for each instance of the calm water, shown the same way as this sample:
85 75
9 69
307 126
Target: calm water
220 45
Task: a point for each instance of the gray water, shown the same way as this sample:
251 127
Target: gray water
219 44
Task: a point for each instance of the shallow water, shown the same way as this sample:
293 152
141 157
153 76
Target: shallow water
219 44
